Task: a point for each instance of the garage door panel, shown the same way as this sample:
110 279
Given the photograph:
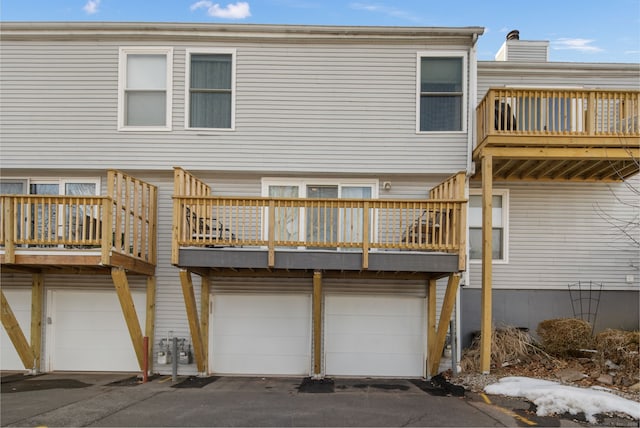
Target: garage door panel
374 335
367 324
264 345
88 331
375 343
260 306
79 338
369 364
261 334
371 305
261 364
102 321
20 303
245 326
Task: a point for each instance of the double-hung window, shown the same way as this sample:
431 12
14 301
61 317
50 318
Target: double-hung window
441 92
210 89
500 220
145 82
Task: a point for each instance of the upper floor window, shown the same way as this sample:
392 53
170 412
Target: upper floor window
441 90
500 220
144 98
210 89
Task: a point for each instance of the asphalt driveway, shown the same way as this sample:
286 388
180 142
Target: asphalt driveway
88 399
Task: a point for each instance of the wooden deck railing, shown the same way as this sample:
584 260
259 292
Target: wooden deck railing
123 222
319 223
558 112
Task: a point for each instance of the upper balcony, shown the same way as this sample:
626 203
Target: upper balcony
559 134
297 234
76 234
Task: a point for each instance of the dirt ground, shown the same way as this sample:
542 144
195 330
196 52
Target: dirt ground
576 371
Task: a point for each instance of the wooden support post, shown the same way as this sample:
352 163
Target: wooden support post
10 324
487 255
177 232
9 226
192 317
317 323
365 236
443 323
107 230
271 234
590 126
204 318
150 319
431 323
37 299
121 283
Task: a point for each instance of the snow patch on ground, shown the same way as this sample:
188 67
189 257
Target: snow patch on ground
555 398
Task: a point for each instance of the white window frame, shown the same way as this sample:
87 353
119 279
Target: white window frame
61 183
302 184
23 181
465 83
122 80
187 86
504 194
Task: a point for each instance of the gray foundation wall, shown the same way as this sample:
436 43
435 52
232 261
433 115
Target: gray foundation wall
527 308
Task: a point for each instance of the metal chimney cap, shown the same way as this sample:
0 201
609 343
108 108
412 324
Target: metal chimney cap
513 35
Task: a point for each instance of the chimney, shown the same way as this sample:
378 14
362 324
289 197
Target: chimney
514 49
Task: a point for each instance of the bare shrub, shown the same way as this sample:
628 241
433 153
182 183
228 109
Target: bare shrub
564 336
509 345
621 348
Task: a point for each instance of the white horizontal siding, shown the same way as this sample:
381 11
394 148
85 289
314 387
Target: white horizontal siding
344 108
560 234
500 74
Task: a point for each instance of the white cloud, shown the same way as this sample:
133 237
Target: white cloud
239 10
391 11
582 45
91 7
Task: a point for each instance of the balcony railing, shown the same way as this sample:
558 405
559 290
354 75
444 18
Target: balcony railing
123 222
559 113
348 224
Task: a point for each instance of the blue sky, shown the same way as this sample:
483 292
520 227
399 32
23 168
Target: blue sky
585 31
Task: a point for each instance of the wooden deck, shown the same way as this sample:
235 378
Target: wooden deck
343 226
559 134
81 234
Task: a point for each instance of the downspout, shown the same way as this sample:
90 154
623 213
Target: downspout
471 137
473 91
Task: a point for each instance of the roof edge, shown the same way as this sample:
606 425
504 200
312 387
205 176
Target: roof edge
489 65
24 29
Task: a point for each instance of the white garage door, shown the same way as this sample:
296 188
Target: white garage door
374 336
20 303
261 334
88 331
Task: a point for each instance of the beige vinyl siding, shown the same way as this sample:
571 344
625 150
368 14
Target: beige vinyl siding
556 75
312 107
523 51
559 234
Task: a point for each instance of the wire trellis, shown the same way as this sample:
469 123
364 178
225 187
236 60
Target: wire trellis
585 300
